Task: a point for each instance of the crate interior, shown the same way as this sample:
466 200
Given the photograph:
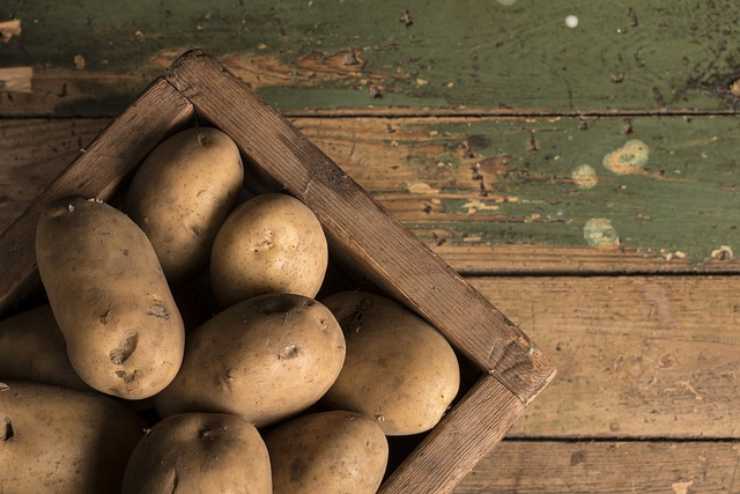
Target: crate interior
195 302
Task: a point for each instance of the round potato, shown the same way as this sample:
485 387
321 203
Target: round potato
399 369
200 453
32 349
182 193
264 359
59 440
328 453
123 331
270 244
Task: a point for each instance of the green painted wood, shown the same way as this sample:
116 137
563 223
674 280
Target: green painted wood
91 57
666 188
502 194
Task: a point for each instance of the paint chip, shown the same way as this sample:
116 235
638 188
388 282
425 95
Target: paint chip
421 188
599 233
16 79
80 62
585 177
629 159
475 205
682 487
724 253
571 21
8 29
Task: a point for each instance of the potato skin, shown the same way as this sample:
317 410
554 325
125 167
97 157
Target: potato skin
399 369
264 359
272 243
32 349
328 453
123 331
59 440
200 453
181 195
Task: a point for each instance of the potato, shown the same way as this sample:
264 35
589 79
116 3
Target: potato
399 369
32 349
200 453
264 359
63 441
123 332
270 244
181 195
328 453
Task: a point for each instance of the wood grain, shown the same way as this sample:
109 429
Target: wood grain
546 467
458 442
636 356
360 230
94 58
532 214
94 174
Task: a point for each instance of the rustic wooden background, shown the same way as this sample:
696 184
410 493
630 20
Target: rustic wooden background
586 179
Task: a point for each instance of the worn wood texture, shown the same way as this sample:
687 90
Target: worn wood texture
458 442
489 199
94 174
636 356
546 467
501 56
360 230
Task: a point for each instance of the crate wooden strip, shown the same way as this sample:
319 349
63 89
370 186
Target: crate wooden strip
460 440
398 162
361 230
546 467
94 174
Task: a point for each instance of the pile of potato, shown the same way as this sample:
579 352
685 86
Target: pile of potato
276 392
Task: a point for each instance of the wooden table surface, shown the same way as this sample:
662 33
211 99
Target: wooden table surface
586 178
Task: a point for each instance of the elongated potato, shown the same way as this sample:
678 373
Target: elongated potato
264 359
399 369
59 440
32 349
328 453
200 453
182 193
123 331
272 243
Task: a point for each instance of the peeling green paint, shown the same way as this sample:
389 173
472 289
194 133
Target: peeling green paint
685 202
508 56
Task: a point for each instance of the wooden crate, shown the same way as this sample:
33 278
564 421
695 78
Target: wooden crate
360 232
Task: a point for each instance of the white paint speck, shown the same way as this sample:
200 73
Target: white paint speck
508 3
571 21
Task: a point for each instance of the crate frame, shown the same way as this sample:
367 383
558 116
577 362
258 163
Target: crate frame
514 370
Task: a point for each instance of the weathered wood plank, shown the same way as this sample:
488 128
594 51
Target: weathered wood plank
93 57
498 195
636 356
606 467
